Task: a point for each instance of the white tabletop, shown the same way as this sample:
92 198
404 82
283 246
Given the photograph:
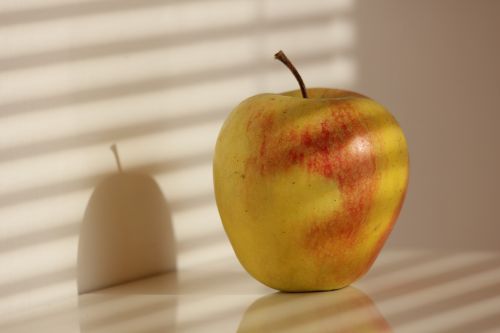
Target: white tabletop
406 291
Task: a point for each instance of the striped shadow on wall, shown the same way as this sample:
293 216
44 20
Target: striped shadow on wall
155 77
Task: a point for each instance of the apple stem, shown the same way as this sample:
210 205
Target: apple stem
284 59
117 157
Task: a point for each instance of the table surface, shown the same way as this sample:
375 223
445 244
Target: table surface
405 291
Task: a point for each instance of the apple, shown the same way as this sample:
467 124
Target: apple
126 232
309 184
346 310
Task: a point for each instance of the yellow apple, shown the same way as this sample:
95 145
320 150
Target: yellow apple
308 189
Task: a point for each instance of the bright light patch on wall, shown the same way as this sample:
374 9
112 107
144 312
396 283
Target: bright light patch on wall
169 63
68 126
286 8
120 22
343 33
39 214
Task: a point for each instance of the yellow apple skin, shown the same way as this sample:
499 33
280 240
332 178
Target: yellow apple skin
308 190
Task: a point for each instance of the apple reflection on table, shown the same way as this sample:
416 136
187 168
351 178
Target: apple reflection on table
344 310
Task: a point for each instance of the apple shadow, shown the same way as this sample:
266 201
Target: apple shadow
126 233
343 310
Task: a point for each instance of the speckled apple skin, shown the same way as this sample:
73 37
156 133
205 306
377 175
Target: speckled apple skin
308 190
